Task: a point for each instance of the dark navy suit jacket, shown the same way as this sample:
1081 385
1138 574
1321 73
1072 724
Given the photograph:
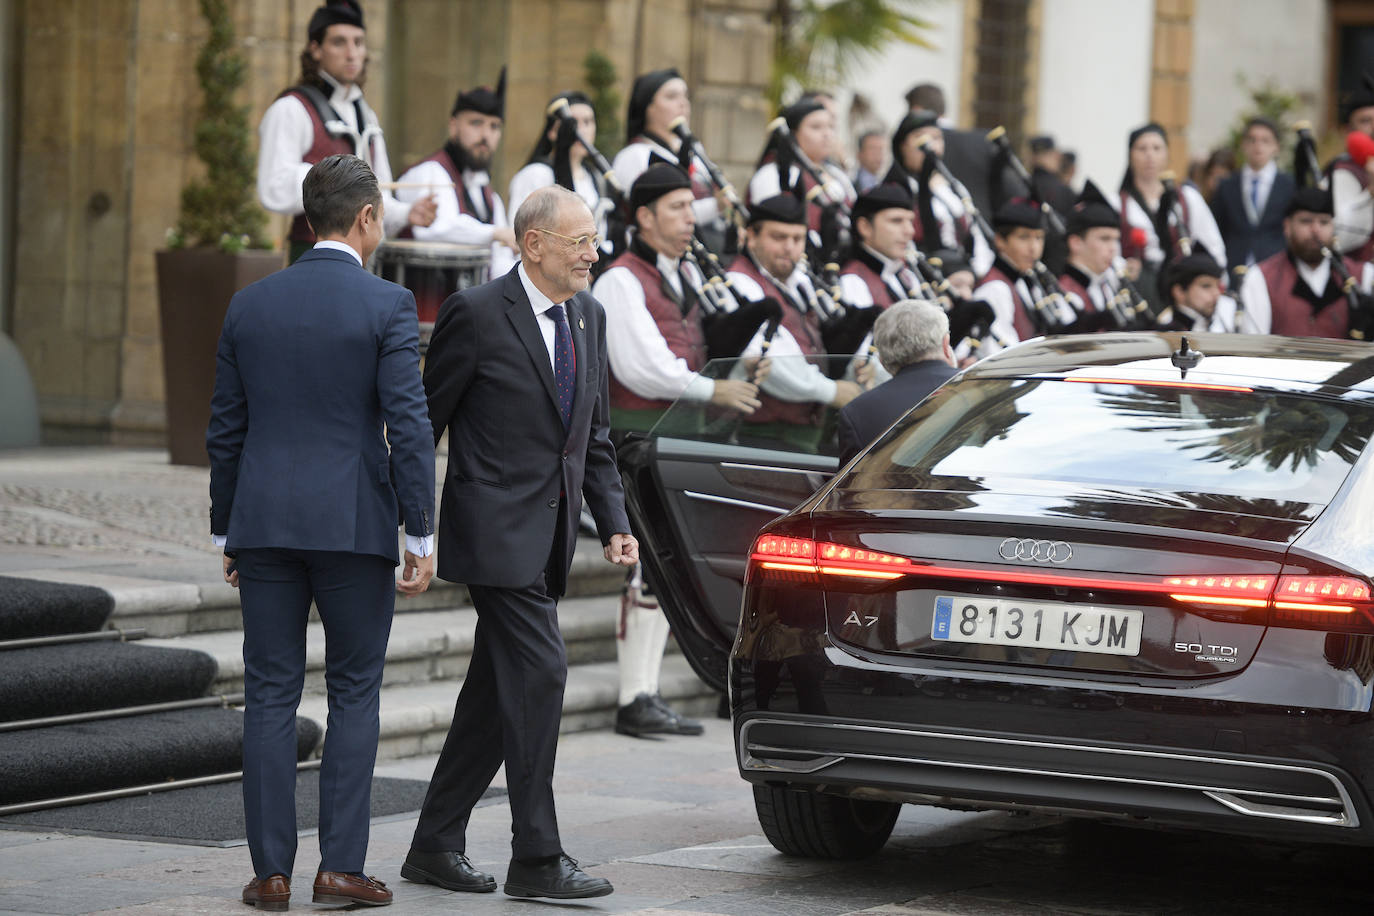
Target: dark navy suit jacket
1240 235
318 367
490 384
870 414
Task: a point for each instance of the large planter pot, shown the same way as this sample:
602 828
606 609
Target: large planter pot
194 286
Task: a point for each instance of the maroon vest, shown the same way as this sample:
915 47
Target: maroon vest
1131 250
322 146
806 330
1297 316
1070 285
459 191
1345 164
681 332
882 296
1021 319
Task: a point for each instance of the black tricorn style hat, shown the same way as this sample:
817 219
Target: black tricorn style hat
798 111
1311 200
484 99
1183 271
781 208
1018 213
334 12
657 180
882 197
1041 143
1092 211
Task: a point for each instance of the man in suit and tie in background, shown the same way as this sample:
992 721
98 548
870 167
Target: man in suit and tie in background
317 371
1250 204
516 373
913 343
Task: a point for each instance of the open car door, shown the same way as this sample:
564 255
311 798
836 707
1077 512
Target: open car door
699 483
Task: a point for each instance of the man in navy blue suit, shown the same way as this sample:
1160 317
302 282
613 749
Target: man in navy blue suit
912 339
317 371
1250 204
516 373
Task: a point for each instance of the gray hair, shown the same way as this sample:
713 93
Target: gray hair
908 332
542 209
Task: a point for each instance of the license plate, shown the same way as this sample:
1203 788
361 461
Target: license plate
1073 627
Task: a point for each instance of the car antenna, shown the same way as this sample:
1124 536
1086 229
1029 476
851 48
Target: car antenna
1185 358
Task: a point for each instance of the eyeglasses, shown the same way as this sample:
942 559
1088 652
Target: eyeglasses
575 243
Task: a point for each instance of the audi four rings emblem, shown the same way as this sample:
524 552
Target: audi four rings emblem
1029 550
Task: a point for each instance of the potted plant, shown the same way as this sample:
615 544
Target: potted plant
217 246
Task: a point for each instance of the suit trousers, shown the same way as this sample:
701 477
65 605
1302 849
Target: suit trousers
508 710
356 597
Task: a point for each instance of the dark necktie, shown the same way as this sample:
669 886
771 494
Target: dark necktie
564 363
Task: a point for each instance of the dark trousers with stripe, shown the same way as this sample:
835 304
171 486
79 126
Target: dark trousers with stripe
356 597
508 710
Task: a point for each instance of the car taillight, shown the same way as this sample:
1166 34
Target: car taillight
1323 602
1230 591
802 560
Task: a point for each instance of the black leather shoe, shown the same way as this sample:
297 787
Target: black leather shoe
644 717
450 870
560 880
682 724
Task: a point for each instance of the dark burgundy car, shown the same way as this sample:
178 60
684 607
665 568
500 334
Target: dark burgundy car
1109 576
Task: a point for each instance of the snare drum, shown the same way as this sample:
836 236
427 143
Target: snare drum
432 271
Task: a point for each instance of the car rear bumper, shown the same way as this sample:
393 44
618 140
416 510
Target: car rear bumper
965 768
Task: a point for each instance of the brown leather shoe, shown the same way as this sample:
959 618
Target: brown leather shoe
272 893
340 887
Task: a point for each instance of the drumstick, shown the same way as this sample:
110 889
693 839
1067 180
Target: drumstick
393 185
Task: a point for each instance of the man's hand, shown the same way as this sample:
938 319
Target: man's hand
422 211
416 575
505 236
864 374
623 550
736 394
231 573
757 368
845 392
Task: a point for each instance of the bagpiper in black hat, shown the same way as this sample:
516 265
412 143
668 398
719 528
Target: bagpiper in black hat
658 179
484 99
1018 213
1362 96
1310 200
1092 211
780 208
334 12
881 197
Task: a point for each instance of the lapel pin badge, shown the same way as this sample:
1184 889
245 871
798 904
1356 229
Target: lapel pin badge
580 325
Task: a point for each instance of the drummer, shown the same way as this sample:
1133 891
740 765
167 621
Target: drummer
468 210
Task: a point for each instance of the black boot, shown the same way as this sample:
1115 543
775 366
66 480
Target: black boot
682 725
644 717
560 879
450 870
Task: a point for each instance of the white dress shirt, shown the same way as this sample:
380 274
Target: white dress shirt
420 546
1254 200
639 357
1202 226
451 224
540 303
286 134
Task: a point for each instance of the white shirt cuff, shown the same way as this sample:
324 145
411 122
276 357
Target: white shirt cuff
219 539
420 546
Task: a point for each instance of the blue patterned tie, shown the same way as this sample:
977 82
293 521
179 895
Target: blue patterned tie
564 363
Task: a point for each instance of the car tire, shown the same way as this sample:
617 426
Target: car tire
815 826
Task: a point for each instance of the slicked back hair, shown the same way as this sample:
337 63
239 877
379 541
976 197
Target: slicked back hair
335 189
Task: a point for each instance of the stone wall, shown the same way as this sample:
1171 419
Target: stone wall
106 107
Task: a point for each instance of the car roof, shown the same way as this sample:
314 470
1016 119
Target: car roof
1309 365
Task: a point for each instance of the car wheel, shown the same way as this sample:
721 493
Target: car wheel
816 826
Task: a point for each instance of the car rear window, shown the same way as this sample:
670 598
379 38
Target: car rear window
987 434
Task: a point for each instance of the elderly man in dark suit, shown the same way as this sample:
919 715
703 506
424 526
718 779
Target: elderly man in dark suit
1250 204
516 373
913 343
317 370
